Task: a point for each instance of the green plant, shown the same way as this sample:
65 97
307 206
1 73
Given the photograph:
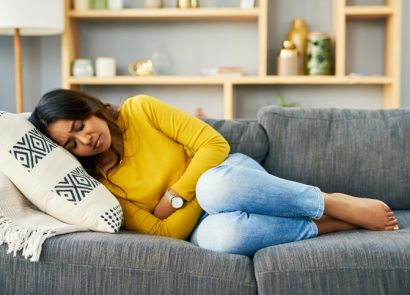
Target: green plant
283 104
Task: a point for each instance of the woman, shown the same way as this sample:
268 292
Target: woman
166 167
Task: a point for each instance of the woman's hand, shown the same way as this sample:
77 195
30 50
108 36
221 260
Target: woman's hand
163 208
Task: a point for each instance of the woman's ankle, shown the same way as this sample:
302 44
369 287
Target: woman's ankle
328 224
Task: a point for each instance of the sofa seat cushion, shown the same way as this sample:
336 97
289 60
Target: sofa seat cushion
358 152
125 263
351 262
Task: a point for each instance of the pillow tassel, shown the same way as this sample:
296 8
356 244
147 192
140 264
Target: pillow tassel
27 239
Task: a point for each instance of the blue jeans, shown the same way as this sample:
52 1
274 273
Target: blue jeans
247 209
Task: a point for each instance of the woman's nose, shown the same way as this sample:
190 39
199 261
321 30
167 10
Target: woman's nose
84 139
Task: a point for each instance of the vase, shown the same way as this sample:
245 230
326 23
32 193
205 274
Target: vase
153 3
99 4
183 4
319 54
115 4
298 34
288 59
81 5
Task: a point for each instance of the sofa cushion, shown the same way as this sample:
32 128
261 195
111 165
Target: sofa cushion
244 136
351 262
53 179
358 152
126 263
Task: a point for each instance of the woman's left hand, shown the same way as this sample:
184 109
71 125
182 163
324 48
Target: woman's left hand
163 208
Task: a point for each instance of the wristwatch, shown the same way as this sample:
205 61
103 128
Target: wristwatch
176 201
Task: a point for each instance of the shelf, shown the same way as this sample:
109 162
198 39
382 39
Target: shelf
245 80
152 80
390 82
368 12
316 80
169 14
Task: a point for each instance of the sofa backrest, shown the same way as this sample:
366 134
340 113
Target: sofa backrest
358 152
244 136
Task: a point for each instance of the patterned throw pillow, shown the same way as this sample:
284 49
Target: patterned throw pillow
53 179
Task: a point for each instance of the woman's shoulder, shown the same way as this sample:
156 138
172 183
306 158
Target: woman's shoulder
136 109
138 101
143 105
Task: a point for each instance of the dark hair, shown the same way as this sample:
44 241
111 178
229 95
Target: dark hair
74 105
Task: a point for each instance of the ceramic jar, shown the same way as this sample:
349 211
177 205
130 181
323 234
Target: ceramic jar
83 67
99 4
105 67
319 54
288 59
183 3
81 5
115 4
153 3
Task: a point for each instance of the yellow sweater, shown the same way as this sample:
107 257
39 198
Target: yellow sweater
163 148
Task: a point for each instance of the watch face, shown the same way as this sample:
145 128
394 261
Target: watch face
177 202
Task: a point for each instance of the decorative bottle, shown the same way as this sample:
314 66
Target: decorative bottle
194 3
153 3
298 35
183 3
288 59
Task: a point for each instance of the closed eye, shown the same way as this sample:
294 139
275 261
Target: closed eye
81 127
73 144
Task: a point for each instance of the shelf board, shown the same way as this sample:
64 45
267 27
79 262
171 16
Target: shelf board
245 80
368 12
169 14
151 80
316 80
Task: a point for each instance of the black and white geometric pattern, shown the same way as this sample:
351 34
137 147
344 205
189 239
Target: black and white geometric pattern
114 218
31 148
76 185
2 113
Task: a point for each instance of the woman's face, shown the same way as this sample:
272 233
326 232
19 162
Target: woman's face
87 137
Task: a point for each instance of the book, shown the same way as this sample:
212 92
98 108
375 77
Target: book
222 71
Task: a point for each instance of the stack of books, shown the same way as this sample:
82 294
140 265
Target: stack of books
222 71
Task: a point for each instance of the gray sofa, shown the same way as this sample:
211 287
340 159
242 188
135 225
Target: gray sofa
363 153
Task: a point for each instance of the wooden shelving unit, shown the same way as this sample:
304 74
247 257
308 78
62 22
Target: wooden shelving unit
342 13
247 80
234 14
391 12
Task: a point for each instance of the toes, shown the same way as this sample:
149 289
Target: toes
387 208
392 227
391 217
389 214
392 222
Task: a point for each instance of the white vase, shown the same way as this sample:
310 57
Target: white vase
115 4
105 67
153 3
81 5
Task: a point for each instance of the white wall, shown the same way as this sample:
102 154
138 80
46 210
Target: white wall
193 45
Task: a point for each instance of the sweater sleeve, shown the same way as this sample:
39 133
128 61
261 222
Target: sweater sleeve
178 225
209 146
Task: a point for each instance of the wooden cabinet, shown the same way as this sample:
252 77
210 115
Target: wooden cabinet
342 13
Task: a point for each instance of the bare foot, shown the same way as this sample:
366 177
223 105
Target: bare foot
328 224
367 213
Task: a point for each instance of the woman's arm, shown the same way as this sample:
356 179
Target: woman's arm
207 147
178 225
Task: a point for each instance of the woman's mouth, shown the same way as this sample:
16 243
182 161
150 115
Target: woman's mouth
98 142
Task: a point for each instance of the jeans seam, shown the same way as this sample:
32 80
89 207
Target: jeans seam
320 207
302 214
314 230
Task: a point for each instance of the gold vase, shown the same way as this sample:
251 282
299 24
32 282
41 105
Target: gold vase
298 34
